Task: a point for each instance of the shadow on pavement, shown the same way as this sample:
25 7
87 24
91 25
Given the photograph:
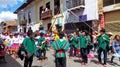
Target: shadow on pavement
113 64
94 61
78 61
36 66
11 62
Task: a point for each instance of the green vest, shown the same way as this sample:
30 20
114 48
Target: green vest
60 45
74 41
103 41
44 46
29 45
84 41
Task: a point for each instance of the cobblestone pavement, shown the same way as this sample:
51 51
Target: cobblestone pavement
50 62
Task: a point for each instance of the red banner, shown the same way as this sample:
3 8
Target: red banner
102 23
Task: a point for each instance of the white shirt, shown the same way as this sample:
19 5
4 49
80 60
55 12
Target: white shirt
16 40
9 39
21 38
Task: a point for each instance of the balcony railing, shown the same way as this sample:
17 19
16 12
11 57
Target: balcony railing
46 15
75 3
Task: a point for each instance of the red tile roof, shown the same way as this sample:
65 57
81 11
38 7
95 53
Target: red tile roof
12 23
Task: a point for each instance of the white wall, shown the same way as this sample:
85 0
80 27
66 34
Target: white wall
112 8
91 10
24 12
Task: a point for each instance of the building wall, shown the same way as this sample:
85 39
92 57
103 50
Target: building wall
92 13
24 12
112 21
13 29
112 18
89 11
53 20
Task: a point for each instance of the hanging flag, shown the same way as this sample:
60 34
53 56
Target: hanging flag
102 23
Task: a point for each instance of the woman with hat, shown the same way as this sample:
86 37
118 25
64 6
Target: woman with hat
15 45
10 42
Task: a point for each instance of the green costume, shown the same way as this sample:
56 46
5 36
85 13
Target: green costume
103 41
43 45
74 41
60 45
84 41
29 45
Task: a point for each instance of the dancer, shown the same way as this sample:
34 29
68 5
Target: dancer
60 46
29 48
103 41
84 41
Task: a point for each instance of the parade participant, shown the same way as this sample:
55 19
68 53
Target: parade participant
84 42
41 47
10 42
15 45
29 48
5 36
103 41
94 36
44 48
116 48
30 29
60 46
21 38
56 35
74 44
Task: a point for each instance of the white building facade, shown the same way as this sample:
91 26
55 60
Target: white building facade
71 13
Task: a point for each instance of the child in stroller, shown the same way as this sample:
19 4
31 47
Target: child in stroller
2 53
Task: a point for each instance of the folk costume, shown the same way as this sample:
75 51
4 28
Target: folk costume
103 41
29 48
84 44
60 46
74 45
42 47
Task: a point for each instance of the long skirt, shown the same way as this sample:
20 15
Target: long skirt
15 47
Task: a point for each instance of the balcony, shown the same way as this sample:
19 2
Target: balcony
75 4
23 22
46 15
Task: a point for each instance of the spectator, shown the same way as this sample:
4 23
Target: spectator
116 47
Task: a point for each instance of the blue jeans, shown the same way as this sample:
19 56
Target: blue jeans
113 58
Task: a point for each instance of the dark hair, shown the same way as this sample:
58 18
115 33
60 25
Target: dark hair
115 38
102 30
41 34
61 35
29 33
86 32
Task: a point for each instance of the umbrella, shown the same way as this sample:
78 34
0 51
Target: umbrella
42 31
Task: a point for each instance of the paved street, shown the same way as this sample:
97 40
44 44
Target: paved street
50 62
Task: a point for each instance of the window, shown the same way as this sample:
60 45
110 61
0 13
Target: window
40 11
56 7
117 1
29 17
48 5
74 3
110 2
